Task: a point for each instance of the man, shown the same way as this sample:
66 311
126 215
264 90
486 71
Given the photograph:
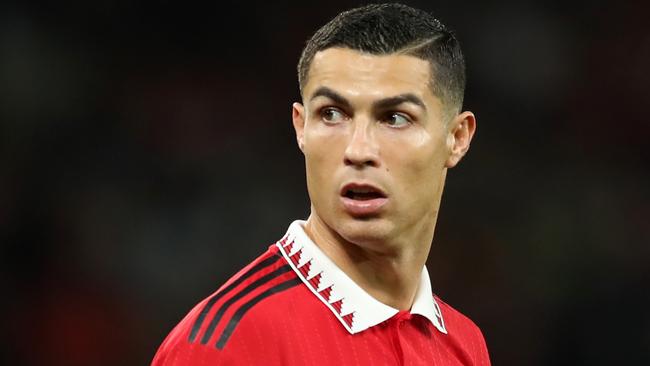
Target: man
380 124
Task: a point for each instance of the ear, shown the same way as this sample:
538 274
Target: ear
460 133
298 117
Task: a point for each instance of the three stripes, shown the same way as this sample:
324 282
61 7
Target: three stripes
239 313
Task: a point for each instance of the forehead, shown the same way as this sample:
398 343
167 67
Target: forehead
356 74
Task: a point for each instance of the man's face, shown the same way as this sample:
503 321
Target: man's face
375 144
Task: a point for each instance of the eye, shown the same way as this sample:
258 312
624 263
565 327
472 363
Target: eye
332 115
397 120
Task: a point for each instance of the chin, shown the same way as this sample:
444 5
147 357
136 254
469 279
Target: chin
365 232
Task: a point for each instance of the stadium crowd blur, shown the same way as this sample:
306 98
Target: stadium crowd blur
146 153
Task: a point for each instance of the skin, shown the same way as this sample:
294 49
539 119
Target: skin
404 148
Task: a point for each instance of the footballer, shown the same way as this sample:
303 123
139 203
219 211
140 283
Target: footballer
380 123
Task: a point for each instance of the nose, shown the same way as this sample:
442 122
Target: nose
362 149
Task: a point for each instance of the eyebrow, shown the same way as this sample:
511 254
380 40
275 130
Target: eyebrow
397 100
385 103
324 91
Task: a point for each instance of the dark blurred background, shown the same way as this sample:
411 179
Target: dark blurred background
146 154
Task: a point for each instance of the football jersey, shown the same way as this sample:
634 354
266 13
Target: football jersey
294 306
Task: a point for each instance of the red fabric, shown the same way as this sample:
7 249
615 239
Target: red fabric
290 326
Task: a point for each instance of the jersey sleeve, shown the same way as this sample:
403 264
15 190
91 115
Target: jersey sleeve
465 335
178 349
229 327
481 355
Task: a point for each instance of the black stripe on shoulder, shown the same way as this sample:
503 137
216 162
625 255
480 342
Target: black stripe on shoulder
208 306
248 289
239 314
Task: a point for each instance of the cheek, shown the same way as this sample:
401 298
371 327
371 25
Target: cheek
416 153
322 156
417 169
323 147
317 157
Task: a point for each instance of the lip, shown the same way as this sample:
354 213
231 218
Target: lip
363 207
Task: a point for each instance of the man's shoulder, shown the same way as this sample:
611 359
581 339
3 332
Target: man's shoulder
454 318
455 321
225 315
464 333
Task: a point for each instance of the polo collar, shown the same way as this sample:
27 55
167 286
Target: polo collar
351 305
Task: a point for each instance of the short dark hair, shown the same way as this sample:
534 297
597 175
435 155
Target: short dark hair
382 29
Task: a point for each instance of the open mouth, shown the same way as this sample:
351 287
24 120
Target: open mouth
363 200
362 192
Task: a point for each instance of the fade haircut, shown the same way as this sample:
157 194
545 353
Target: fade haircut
384 29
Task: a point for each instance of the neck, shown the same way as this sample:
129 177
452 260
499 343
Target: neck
389 271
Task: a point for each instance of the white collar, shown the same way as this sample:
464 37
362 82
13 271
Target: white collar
352 305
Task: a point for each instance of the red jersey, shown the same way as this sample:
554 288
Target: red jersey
294 306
